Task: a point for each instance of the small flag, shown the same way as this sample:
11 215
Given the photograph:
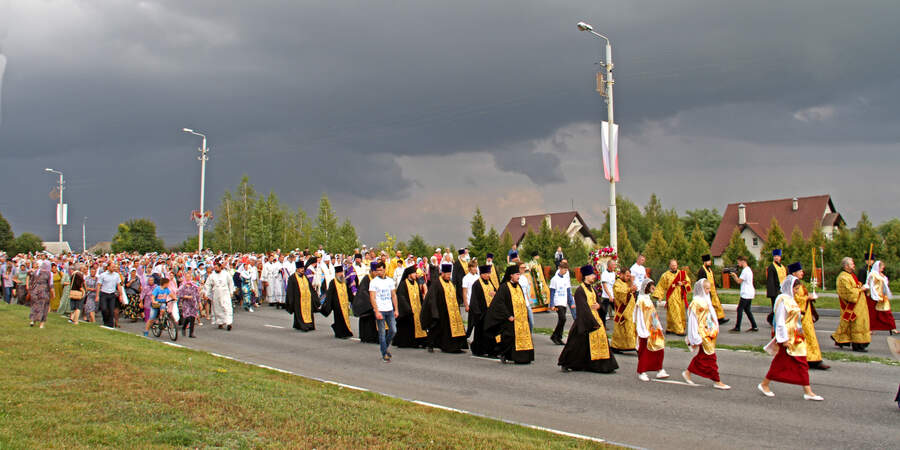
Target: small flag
610 151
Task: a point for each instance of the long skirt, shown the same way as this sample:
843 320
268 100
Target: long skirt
704 365
39 309
134 310
789 369
880 320
90 303
649 361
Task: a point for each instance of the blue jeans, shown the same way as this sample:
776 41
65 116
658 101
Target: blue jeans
7 294
386 329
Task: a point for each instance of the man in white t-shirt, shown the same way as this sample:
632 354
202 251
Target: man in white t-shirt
638 271
560 300
748 292
468 281
607 280
383 295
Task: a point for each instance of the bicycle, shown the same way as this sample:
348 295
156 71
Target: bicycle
165 322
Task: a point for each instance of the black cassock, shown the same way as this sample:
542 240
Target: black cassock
333 303
496 322
406 326
459 271
436 320
483 344
294 304
362 308
576 355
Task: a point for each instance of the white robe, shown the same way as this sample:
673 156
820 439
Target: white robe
219 287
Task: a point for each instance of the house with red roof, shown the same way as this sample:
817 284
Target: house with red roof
569 222
753 220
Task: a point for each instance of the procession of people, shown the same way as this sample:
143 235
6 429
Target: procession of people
409 301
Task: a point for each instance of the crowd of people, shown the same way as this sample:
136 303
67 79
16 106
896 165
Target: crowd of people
416 301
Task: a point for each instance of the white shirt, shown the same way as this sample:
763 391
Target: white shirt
108 282
607 280
560 286
747 290
382 288
526 288
638 273
467 282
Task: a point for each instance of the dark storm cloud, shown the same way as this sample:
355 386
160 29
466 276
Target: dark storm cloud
307 97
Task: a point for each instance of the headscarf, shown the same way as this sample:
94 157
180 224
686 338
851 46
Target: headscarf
787 286
876 275
644 285
45 267
698 288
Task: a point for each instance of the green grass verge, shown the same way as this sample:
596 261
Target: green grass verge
821 302
78 387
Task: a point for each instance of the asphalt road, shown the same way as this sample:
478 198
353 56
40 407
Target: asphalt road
858 411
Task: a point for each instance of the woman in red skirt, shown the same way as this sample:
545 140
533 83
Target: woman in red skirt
651 334
789 345
879 301
702 330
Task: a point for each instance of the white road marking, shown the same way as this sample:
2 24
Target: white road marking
485 358
172 344
273 326
682 383
354 339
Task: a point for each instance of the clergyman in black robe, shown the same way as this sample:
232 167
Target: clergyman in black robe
441 317
587 347
482 294
410 333
508 317
337 299
460 269
301 300
362 308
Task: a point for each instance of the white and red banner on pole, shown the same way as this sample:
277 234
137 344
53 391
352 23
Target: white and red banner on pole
610 151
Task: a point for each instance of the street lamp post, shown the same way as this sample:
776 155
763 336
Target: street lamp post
201 222
613 227
83 240
60 214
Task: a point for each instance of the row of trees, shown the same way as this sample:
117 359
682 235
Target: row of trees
23 243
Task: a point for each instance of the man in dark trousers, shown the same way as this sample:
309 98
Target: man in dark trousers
774 277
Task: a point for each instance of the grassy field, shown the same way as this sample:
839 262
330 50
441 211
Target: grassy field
67 386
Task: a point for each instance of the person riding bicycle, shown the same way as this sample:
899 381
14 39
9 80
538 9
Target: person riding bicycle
159 299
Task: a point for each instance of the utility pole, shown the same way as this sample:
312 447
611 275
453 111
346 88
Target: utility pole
201 221
60 211
83 241
613 164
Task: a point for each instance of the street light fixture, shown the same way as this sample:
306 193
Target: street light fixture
60 213
201 221
613 227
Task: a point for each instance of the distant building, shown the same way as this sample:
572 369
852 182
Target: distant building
101 248
56 247
569 222
753 220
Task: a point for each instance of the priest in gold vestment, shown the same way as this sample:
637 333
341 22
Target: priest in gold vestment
624 334
673 287
853 328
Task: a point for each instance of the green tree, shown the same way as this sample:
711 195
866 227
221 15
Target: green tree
841 245
493 244
890 232
544 242
388 244
625 252
865 235
578 253
630 215
326 223
679 246
737 247
244 202
346 239
774 239
657 249
417 246
6 235
225 225
697 247
27 243
267 224
478 239
706 219
137 235
506 243
190 244
798 250
653 212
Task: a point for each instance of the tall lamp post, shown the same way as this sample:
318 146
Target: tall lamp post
201 222
83 240
60 213
613 227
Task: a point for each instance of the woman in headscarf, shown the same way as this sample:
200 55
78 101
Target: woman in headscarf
805 301
650 332
77 294
134 310
188 302
90 299
702 331
788 346
56 278
41 291
66 283
880 315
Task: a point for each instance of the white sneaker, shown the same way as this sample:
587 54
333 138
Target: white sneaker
250 309
643 377
723 387
662 374
687 378
770 393
815 398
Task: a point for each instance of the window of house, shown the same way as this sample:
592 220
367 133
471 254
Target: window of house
756 242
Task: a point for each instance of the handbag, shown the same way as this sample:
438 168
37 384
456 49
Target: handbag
76 295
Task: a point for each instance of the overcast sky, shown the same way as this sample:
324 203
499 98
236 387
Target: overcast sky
410 113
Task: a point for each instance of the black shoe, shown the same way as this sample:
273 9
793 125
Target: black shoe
430 349
556 340
753 330
228 328
723 320
191 335
502 359
734 330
